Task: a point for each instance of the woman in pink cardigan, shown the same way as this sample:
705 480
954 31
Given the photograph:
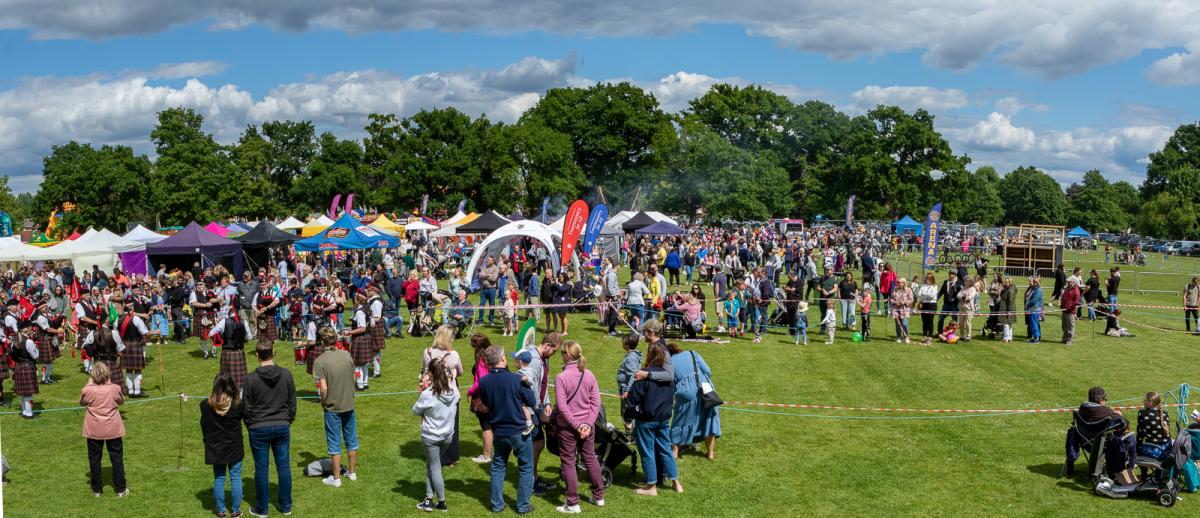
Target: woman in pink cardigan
480 343
577 398
103 427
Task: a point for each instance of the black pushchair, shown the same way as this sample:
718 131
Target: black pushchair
613 447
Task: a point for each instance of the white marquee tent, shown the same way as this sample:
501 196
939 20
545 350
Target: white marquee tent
494 243
144 235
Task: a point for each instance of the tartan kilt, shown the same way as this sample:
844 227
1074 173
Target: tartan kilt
134 355
361 349
115 376
81 336
199 330
4 369
25 382
378 334
233 361
272 332
311 357
47 352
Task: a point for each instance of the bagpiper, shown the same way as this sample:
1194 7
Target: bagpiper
44 335
104 345
232 333
24 355
377 327
6 341
265 307
88 313
361 349
132 331
202 303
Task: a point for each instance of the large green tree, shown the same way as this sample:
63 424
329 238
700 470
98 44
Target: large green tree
194 178
1093 205
109 186
545 164
1182 151
1168 215
890 163
971 197
618 132
337 168
1032 196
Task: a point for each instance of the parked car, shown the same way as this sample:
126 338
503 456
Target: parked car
1189 248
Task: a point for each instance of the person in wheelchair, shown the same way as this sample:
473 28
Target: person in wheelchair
460 316
1120 453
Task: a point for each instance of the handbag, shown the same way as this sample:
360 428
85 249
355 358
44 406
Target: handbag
708 396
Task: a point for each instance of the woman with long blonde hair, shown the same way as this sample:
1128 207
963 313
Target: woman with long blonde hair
442 355
577 397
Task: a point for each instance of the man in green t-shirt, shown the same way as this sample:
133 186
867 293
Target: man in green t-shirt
334 371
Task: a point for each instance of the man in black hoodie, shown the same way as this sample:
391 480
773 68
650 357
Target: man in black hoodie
269 394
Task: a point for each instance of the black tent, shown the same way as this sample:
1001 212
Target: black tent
258 242
485 224
638 221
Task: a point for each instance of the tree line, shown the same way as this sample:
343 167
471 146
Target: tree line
742 153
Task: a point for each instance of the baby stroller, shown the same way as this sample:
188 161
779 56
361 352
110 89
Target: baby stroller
781 316
613 447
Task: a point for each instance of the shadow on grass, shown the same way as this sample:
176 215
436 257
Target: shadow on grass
205 496
1077 482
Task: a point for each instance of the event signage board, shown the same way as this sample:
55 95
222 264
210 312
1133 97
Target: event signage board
933 227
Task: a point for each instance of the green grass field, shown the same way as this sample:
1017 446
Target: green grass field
770 462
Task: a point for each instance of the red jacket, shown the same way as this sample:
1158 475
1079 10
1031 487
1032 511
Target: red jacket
412 290
1070 299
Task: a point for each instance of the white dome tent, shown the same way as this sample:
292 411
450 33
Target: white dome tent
495 242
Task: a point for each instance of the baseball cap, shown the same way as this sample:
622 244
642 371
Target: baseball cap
523 356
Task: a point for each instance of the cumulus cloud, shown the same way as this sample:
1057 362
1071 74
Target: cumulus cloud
1051 38
1013 105
910 98
1178 69
1119 152
675 90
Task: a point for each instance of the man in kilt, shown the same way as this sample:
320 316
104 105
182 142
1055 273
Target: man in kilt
104 345
203 302
88 313
6 341
265 307
232 333
24 354
313 344
132 331
361 349
45 335
377 328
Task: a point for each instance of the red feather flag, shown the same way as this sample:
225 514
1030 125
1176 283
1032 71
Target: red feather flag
573 224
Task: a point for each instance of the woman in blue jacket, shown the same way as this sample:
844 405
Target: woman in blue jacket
672 263
649 404
1033 309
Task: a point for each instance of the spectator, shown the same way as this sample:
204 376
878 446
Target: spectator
460 316
221 424
103 427
480 343
1069 303
443 351
505 396
334 372
438 408
649 404
1033 308
489 276
577 397
269 394
691 422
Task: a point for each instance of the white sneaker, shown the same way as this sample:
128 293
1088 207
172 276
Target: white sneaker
333 482
481 459
597 503
352 476
568 509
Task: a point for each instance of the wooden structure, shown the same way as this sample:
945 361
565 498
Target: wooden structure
1039 248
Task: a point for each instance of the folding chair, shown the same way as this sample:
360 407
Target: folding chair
1092 437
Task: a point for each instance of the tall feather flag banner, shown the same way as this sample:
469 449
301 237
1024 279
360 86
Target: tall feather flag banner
462 204
595 224
424 203
577 216
933 230
333 206
849 210
349 203
545 209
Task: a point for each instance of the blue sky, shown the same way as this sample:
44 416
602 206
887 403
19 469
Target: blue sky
1056 85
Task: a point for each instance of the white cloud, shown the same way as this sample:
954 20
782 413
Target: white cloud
185 70
1178 69
910 98
1013 105
675 90
996 133
1052 38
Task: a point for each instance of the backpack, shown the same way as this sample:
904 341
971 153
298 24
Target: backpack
321 468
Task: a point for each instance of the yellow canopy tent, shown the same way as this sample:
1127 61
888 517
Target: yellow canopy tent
387 225
315 226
